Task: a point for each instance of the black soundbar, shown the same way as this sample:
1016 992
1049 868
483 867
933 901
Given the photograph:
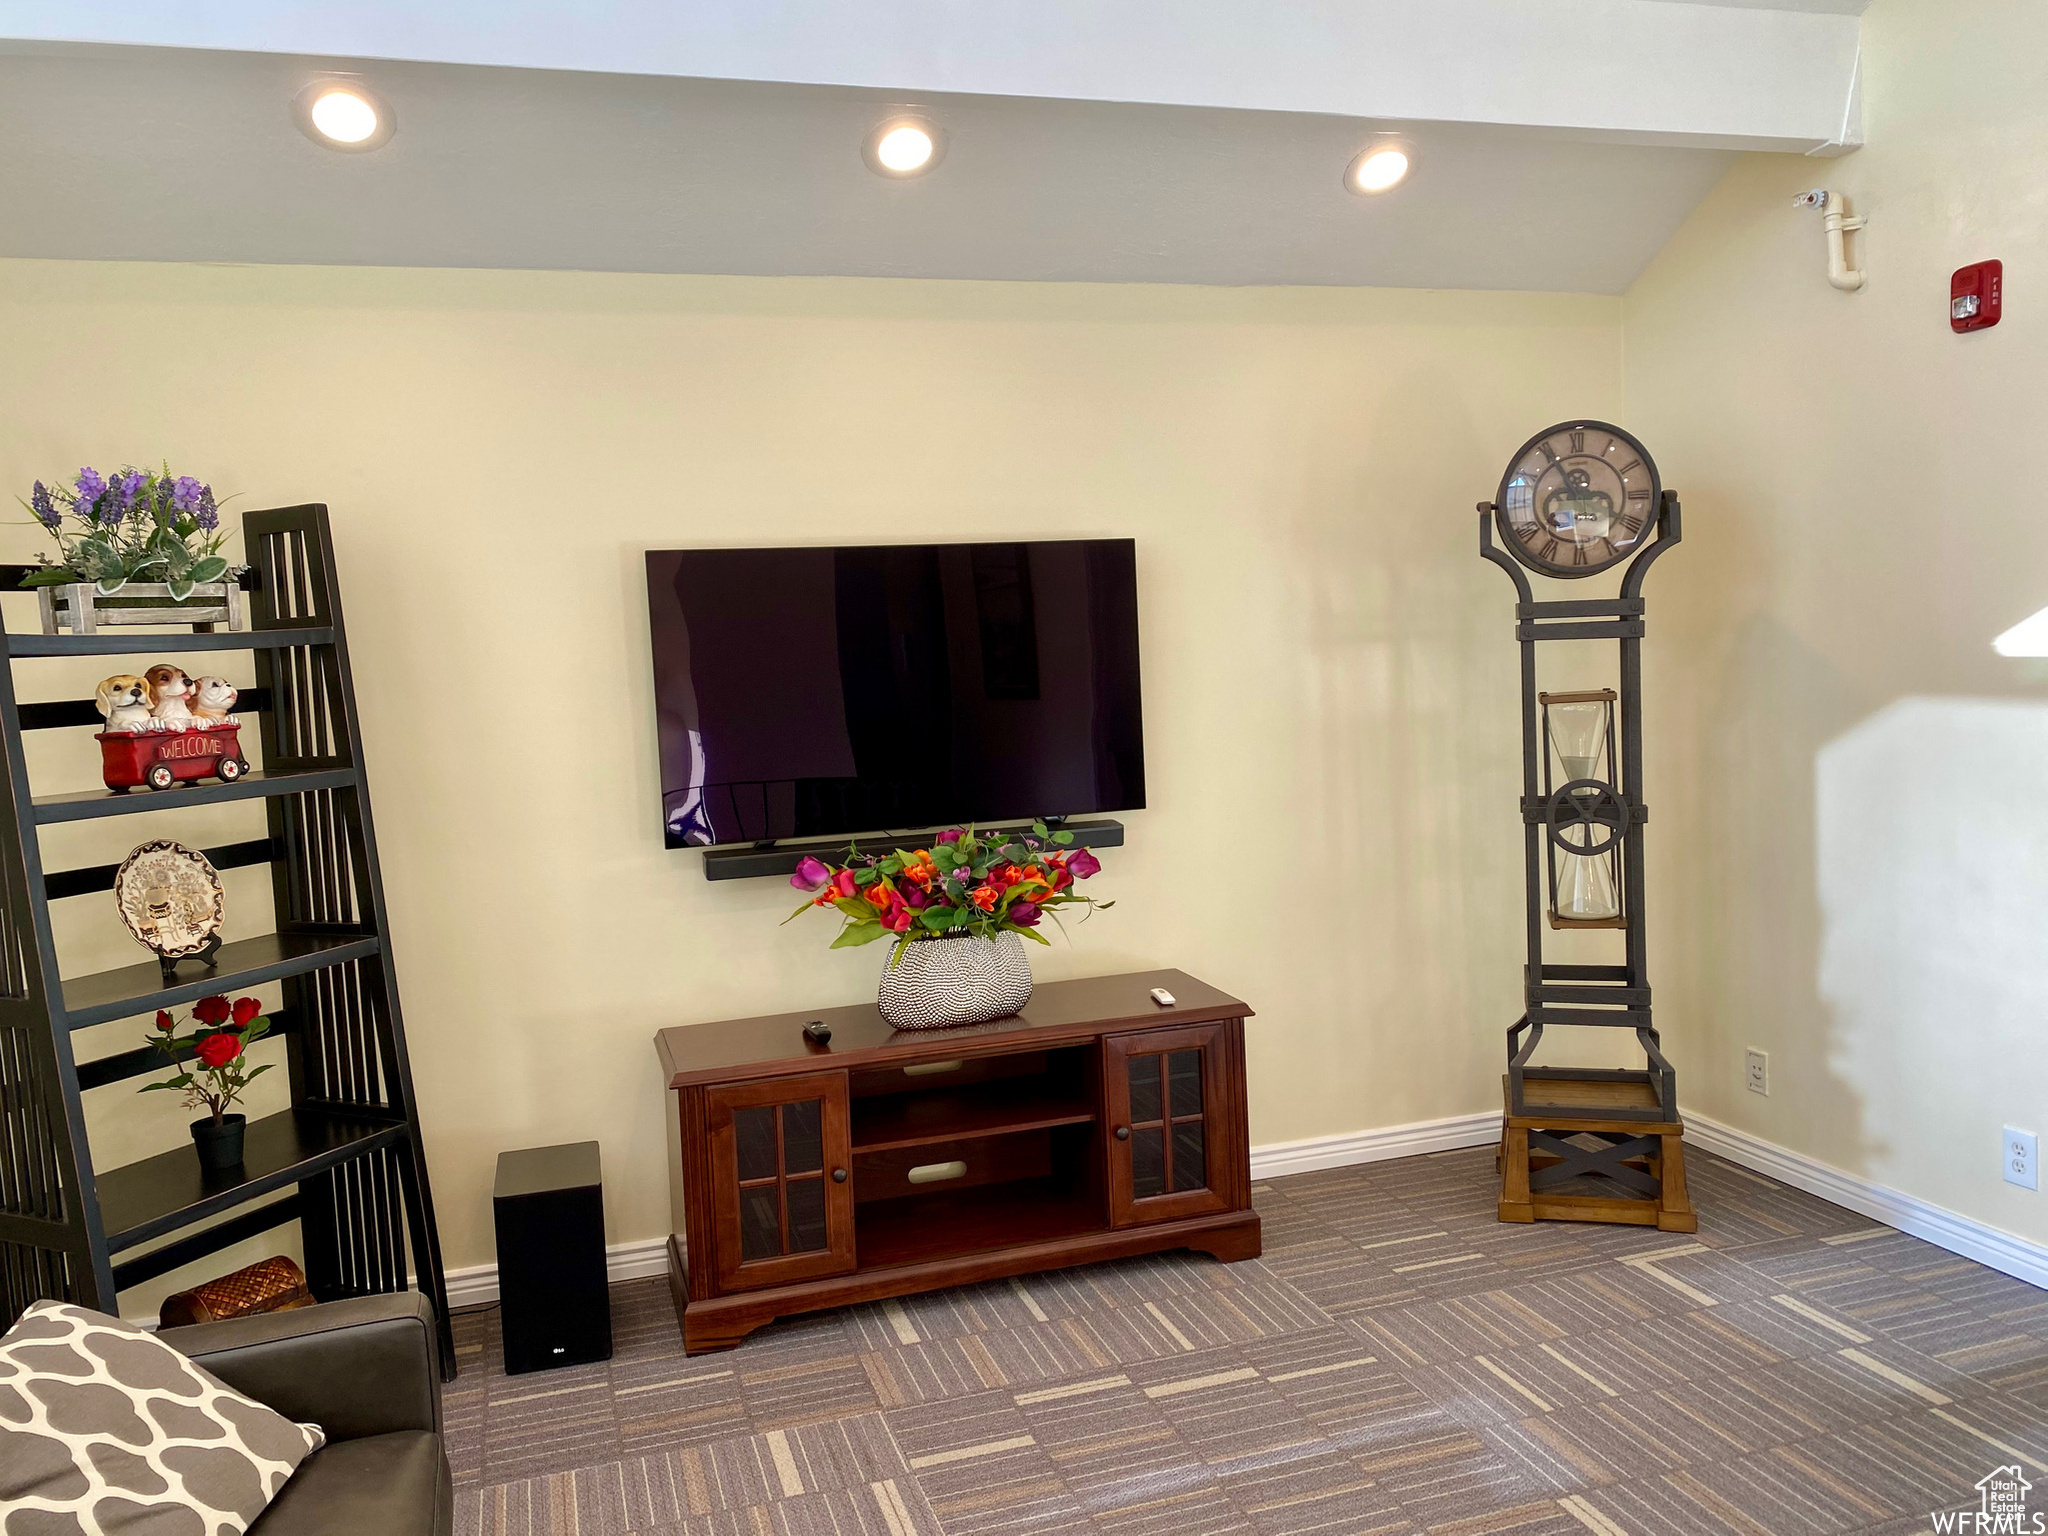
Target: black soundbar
781 858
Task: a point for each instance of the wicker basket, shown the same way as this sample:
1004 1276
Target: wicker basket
272 1285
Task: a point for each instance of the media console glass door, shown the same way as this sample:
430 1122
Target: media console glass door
1168 1124
782 1198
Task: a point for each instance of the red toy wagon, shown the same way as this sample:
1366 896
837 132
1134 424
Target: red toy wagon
131 759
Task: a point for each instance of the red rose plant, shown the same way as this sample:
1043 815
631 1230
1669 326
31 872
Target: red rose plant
216 1049
965 883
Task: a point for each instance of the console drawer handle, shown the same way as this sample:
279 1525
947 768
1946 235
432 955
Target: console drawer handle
936 1173
927 1068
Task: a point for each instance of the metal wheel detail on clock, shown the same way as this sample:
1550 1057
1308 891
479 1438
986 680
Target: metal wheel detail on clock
1577 498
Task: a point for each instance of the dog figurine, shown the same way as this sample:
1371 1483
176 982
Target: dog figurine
169 687
124 700
213 700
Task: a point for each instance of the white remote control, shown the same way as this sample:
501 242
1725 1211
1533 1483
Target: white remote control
1162 997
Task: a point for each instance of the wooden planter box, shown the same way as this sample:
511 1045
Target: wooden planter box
81 609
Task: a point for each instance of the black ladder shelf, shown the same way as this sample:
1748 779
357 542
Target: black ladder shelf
345 1161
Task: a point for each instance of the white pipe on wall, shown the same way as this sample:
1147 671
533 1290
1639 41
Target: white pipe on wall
1839 271
1839 226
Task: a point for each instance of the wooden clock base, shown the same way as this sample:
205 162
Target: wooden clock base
1648 1156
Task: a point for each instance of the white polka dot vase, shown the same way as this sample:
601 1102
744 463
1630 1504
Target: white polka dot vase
961 979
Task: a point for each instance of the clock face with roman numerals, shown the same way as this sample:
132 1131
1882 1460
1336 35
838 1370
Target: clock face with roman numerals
1577 499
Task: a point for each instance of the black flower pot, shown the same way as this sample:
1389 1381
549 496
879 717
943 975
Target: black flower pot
219 1142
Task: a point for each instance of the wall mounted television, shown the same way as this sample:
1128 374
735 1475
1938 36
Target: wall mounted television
814 693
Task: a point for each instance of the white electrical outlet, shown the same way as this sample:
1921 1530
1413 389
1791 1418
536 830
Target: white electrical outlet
1756 1072
2022 1159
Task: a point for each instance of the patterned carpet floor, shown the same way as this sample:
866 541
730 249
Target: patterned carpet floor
1398 1362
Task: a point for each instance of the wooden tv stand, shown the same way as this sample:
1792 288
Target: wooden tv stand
1093 1125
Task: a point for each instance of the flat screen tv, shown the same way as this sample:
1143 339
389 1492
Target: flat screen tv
888 688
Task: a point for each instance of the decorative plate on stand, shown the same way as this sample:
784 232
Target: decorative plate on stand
172 901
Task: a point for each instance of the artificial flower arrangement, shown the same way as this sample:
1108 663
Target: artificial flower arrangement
963 884
220 1070
137 525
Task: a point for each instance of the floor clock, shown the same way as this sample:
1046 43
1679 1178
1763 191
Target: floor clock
1579 500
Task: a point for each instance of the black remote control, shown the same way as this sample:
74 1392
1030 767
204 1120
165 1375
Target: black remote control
818 1032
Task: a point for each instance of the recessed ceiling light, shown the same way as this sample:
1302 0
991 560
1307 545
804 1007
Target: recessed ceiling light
344 114
1377 168
904 149
904 144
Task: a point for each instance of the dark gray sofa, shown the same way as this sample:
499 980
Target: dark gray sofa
366 1371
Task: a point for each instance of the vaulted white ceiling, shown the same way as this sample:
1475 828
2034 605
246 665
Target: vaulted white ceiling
1835 7
1557 144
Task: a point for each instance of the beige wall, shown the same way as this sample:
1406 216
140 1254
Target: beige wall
1329 669
1851 789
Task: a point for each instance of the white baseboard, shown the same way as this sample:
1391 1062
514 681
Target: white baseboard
1281 1158
1988 1245
477 1285
2002 1251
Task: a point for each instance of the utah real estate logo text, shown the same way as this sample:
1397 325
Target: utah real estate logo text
2004 1509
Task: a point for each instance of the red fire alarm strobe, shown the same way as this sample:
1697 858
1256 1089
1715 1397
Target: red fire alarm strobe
1976 296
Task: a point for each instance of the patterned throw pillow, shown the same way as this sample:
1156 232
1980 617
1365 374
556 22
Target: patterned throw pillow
105 1428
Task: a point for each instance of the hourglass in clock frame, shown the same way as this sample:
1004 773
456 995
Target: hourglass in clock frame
1578 499
1583 815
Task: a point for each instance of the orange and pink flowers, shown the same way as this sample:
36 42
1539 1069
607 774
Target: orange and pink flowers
965 883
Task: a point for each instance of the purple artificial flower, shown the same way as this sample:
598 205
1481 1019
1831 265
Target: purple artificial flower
916 897
185 494
810 873
1081 864
951 836
47 511
207 515
1023 915
92 485
128 489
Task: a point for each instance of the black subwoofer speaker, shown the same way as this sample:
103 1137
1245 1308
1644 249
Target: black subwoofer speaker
554 1303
